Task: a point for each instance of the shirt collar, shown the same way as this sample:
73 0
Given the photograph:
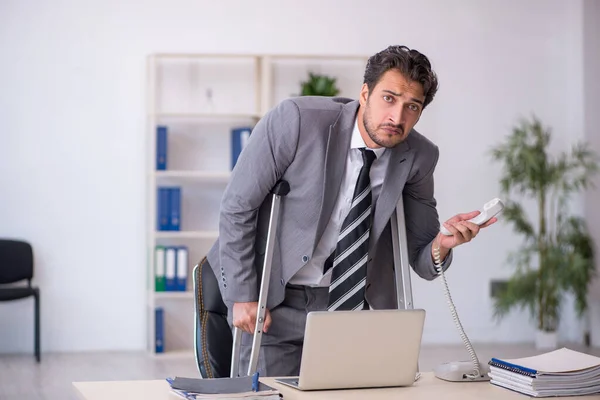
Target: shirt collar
357 141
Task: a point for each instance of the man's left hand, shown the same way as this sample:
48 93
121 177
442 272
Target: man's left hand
462 230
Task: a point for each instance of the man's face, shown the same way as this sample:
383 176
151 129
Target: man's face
391 110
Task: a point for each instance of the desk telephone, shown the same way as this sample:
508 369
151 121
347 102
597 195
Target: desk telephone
464 371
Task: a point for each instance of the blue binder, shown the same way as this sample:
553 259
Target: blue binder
159 329
163 209
182 268
175 209
161 148
239 137
170 268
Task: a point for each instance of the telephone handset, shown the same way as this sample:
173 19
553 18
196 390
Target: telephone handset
487 212
464 371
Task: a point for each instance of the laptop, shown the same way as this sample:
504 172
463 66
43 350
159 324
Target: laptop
359 349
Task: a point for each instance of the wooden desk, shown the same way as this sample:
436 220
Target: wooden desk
427 387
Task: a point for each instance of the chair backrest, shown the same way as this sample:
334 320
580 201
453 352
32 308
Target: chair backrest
212 334
16 261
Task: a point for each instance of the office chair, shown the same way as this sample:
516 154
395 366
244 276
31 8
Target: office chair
16 264
213 338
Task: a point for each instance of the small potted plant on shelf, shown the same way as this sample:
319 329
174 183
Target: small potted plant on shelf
319 85
557 254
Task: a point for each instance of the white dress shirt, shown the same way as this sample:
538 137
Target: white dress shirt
312 273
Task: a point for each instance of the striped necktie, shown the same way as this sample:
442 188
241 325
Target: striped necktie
349 260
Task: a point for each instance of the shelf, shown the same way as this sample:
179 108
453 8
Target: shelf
186 234
202 176
262 55
212 116
188 294
175 354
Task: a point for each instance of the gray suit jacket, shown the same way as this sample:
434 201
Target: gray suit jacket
305 141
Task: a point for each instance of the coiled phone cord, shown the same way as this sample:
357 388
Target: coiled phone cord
438 267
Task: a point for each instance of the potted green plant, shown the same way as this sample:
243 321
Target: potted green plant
319 85
556 256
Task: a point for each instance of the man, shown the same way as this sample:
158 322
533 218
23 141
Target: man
333 248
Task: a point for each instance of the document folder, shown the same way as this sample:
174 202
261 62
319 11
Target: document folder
239 387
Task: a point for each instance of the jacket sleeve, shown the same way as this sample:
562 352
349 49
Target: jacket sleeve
422 222
269 151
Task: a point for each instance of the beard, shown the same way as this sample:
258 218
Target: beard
380 136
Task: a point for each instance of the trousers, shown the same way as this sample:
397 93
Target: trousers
281 347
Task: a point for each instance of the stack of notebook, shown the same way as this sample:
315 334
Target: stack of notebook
562 372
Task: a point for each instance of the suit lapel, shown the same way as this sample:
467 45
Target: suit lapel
338 145
400 163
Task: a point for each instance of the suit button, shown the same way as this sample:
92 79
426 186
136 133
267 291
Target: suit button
282 282
304 259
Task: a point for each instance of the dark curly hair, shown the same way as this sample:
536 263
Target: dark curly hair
411 63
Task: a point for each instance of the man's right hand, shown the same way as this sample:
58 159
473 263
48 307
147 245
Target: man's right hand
244 317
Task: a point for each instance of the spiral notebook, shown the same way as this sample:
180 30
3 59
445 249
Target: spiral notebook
562 372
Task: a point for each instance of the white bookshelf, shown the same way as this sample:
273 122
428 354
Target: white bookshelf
175 354
188 294
186 234
200 98
200 176
215 116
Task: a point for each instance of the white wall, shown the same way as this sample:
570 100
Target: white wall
72 128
